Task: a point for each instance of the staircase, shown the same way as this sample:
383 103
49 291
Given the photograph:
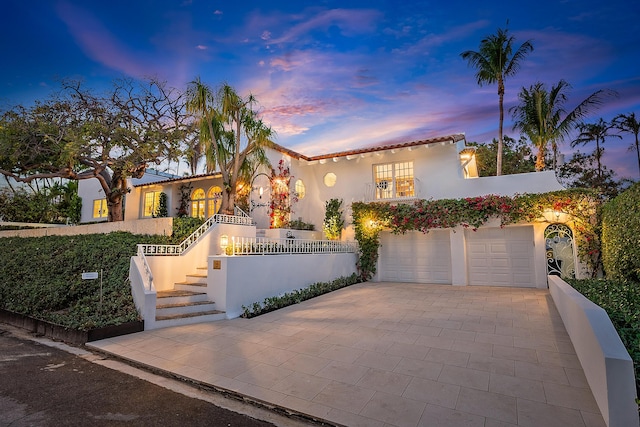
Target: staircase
187 303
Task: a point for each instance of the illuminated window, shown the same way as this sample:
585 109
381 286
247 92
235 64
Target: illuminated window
300 189
330 179
151 203
198 203
214 200
394 180
100 208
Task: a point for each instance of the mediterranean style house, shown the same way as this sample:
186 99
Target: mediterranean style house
435 168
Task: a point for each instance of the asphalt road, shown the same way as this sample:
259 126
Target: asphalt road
45 385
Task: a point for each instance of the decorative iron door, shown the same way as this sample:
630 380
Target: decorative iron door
560 253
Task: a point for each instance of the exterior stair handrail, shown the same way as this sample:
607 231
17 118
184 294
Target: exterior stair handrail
147 269
150 249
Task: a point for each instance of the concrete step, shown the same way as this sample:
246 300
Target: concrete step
195 287
179 297
169 310
200 317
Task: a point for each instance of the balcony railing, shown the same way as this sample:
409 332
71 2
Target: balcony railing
377 193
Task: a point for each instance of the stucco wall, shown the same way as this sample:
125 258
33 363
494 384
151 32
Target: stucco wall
243 280
151 226
604 359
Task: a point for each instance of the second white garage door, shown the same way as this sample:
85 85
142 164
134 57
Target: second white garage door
501 256
416 257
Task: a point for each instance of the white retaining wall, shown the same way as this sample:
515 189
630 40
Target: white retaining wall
243 280
152 226
604 359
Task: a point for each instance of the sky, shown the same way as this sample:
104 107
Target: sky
334 75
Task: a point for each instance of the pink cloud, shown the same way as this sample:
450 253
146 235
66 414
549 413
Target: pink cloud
98 42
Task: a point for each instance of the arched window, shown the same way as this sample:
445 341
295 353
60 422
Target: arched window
560 255
214 200
198 203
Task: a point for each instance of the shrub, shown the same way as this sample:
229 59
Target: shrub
42 277
183 227
297 296
333 222
621 236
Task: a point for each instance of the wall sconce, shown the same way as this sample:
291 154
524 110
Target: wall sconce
556 214
224 242
261 191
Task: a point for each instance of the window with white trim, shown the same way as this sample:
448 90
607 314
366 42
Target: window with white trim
151 203
100 208
198 203
394 180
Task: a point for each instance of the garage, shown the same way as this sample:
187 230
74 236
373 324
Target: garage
416 257
501 256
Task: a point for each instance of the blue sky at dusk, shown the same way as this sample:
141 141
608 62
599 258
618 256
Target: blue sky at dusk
333 75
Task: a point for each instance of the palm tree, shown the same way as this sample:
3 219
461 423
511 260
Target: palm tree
200 101
495 61
629 124
542 117
598 133
233 135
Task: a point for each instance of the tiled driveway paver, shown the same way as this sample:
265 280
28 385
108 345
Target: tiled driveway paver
393 354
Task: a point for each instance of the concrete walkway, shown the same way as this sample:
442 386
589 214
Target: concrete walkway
389 354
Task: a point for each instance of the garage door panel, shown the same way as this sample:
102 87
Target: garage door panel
416 257
501 257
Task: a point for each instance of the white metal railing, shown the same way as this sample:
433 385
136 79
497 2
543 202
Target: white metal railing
239 212
380 193
267 246
148 276
149 249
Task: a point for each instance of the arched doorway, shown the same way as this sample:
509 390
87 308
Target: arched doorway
560 251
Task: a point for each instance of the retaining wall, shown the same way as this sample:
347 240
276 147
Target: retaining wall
604 359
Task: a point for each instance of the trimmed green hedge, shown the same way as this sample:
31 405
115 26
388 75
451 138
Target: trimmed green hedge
621 301
42 277
621 236
297 296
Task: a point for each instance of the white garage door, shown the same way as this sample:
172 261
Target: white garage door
501 256
416 257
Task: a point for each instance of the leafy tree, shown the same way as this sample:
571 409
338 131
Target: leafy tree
51 203
598 133
516 157
582 171
629 124
233 135
542 117
495 61
77 134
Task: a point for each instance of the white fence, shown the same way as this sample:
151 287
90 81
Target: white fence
267 246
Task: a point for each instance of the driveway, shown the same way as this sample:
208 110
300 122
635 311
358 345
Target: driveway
378 354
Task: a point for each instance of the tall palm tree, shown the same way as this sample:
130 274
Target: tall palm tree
542 117
598 133
233 135
629 124
495 61
200 101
